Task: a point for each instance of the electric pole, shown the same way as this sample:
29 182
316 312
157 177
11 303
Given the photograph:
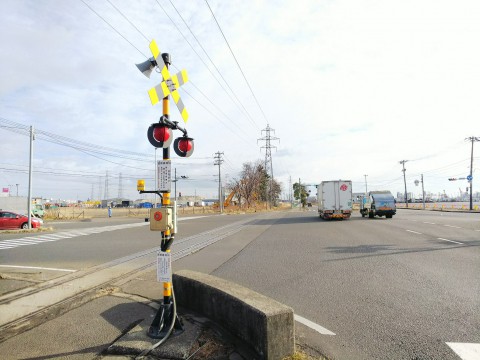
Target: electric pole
17 189
404 180
219 161
30 171
366 189
268 138
472 139
423 193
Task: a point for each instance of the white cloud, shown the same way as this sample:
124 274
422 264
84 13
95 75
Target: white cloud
351 88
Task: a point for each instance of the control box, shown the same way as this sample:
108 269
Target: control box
161 219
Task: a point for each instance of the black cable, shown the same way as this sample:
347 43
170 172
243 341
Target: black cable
239 67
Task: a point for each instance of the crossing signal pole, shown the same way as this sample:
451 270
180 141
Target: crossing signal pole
160 135
218 161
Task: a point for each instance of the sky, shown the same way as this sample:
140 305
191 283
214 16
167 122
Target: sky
350 88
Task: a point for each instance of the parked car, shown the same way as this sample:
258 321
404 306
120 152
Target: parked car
11 220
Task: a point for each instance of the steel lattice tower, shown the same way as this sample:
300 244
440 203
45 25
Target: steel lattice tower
268 138
120 187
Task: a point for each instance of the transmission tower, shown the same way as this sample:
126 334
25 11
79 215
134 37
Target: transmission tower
106 186
120 192
268 138
218 161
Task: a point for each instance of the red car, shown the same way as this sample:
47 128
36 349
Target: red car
10 220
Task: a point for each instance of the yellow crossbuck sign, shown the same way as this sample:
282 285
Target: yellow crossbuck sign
170 83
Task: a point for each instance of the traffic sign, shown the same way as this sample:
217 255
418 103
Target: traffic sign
164 175
469 177
170 83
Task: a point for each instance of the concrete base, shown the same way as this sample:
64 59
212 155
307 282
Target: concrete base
177 347
263 323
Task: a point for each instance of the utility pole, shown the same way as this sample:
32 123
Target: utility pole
472 139
30 171
219 161
404 180
17 189
366 189
423 193
290 192
268 138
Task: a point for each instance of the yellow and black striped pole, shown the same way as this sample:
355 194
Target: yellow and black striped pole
166 316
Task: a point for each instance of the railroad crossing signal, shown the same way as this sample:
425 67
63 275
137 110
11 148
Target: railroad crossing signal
170 83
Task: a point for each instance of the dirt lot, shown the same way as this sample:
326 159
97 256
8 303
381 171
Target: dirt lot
69 213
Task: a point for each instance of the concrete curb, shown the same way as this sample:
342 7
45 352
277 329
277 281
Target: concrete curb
265 324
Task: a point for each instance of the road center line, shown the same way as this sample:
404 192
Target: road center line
36 268
426 222
452 226
312 325
415 232
456 242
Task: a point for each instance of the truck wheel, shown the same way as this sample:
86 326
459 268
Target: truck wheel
389 216
370 215
24 226
363 214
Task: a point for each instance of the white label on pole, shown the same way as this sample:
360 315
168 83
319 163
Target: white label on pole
164 168
164 267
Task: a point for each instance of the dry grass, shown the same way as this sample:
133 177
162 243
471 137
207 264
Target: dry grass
72 213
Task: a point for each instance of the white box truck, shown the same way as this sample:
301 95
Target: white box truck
335 199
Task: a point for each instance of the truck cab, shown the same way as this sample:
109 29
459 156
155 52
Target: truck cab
378 203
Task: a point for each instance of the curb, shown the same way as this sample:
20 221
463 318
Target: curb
263 323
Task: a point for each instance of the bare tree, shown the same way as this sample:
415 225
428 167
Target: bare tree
253 185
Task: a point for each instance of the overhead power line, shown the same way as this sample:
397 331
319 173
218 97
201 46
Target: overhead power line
238 64
216 68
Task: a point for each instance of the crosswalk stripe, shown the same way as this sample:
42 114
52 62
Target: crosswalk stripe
34 240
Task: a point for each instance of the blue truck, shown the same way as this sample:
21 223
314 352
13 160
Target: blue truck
378 203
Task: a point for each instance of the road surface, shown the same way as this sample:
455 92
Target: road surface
401 288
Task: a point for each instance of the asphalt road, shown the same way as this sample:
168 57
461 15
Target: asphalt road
398 288
388 288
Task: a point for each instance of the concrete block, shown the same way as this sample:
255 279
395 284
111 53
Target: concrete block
265 324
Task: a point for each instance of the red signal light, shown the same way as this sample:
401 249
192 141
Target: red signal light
160 136
183 146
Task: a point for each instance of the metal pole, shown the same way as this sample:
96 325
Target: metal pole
17 189
471 175
29 207
220 202
423 194
175 184
156 178
405 181
165 313
366 189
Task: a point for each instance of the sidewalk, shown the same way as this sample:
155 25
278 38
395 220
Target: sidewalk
113 325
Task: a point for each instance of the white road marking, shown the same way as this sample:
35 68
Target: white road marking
312 325
33 240
426 222
415 232
36 268
466 351
477 230
456 242
452 226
